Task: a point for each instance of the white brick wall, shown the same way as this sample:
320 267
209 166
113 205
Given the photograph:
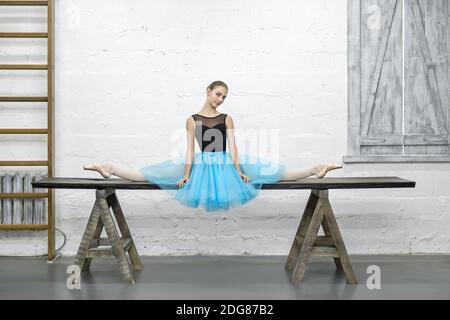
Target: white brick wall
128 73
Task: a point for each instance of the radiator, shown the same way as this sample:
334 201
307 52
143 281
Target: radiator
22 211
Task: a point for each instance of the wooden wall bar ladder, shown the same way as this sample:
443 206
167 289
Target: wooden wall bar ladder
49 131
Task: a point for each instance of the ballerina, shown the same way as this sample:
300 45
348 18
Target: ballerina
213 178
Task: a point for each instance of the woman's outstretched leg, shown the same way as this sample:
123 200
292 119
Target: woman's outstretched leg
107 170
319 171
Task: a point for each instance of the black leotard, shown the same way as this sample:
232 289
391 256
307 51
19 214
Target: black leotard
210 132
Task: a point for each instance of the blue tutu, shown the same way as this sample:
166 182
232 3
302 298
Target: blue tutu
214 182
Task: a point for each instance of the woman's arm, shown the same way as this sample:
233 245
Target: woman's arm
190 134
233 148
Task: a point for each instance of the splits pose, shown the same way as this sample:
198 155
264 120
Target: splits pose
213 178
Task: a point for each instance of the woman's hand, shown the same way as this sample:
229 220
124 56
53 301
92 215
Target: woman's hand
244 177
182 181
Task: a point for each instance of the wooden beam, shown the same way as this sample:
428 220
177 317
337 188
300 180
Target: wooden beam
309 183
51 124
301 231
395 159
324 252
432 81
376 75
23 99
308 243
23 227
23 131
22 195
339 242
32 163
354 75
23 35
23 67
23 3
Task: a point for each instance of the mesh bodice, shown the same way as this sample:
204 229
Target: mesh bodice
210 132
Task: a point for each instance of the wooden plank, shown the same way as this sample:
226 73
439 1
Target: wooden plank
23 227
105 252
23 3
23 67
309 183
102 242
23 195
324 252
324 241
301 231
426 72
395 159
113 201
308 243
23 35
115 241
426 140
94 242
23 99
51 120
88 236
327 231
381 139
23 131
431 77
375 76
354 74
385 114
339 242
97 252
31 163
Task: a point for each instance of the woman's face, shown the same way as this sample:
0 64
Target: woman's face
217 96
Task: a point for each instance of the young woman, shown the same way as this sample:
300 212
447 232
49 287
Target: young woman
213 178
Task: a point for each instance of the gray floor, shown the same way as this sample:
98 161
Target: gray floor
227 277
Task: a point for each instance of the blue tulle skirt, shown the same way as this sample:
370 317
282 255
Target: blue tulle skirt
214 182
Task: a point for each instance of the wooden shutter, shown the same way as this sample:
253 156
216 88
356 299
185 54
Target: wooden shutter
426 77
398 80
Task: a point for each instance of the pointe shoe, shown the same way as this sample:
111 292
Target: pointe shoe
328 167
98 168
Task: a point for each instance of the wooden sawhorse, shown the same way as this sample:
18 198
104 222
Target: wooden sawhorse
306 242
117 244
106 214
318 212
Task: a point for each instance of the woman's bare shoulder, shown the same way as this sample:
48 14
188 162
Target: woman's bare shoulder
229 121
190 122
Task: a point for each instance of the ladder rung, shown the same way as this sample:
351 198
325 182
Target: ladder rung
23 35
23 195
23 3
23 67
23 131
27 163
23 99
23 226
